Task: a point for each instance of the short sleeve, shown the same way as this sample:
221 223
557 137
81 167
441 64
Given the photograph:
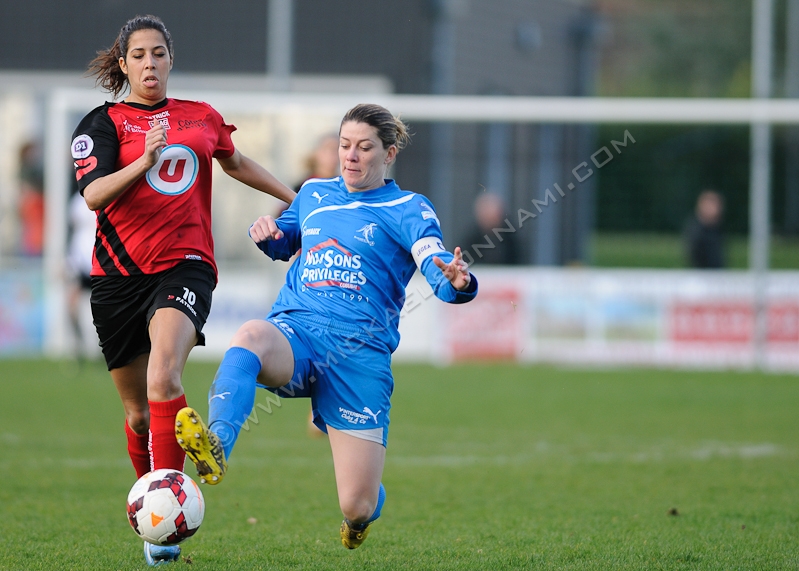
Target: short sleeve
95 147
224 143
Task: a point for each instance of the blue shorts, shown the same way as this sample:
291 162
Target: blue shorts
343 369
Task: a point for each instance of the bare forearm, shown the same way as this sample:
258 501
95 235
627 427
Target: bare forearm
248 172
103 191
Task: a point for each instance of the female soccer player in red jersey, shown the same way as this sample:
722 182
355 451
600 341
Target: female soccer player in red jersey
144 166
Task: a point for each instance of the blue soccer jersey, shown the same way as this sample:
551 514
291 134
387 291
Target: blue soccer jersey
358 252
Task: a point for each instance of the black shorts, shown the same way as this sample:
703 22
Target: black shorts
85 282
122 307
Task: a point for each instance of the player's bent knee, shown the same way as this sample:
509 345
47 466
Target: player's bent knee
252 336
163 385
260 337
357 510
138 421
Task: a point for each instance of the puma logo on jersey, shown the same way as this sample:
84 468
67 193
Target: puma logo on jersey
367 233
220 396
317 197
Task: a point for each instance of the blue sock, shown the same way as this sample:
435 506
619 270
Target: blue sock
232 394
381 498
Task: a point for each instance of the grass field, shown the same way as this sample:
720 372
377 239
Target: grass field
489 467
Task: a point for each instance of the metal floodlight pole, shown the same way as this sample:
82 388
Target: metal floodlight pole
760 173
443 83
280 25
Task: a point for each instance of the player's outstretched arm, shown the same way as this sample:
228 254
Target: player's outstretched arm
271 240
247 171
457 271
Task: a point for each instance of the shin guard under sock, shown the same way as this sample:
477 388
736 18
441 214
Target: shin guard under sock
138 450
231 396
165 451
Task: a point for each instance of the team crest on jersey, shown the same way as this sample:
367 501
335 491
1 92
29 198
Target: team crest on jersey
175 172
367 233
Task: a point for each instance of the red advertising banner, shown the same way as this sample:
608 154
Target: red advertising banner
709 322
783 323
731 322
488 327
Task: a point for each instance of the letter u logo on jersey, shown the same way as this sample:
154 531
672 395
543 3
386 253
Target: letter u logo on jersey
175 171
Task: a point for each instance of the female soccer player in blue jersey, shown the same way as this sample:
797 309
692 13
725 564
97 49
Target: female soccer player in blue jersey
332 330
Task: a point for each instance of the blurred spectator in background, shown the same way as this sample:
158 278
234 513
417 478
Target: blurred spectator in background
323 160
82 233
31 199
490 213
704 241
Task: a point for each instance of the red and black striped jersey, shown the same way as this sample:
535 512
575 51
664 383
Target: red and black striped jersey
165 216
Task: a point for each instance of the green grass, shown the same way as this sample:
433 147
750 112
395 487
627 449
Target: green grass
642 250
489 467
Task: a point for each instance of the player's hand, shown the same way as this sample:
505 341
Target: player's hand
154 143
265 228
457 271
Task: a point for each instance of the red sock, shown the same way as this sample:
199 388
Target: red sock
165 452
138 450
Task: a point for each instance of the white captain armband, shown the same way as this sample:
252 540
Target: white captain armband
425 248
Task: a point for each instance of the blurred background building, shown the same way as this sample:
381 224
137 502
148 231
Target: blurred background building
514 47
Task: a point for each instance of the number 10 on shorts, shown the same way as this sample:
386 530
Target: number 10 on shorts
188 296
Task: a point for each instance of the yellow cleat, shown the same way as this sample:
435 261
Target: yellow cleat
352 538
201 446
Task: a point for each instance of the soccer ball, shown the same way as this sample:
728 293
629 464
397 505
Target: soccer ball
165 507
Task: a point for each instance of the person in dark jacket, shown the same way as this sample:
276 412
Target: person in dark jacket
704 240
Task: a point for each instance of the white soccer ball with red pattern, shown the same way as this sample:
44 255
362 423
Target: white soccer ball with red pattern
165 507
